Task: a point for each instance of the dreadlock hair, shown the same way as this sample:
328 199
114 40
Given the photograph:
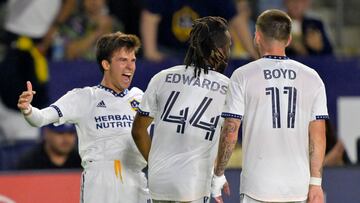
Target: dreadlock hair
206 37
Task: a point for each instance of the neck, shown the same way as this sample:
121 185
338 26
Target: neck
274 49
56 158
110 85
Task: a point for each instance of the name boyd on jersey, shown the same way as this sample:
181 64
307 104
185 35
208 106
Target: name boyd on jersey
277 73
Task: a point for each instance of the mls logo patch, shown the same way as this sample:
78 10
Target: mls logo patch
134 104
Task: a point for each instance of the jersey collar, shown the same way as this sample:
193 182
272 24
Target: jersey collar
121 94
276 57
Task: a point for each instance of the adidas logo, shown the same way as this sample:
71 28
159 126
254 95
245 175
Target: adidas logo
101 104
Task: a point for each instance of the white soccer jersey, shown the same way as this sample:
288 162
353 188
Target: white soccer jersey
186 112
276 98
103 121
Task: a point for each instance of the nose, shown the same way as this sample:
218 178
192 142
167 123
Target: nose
130 65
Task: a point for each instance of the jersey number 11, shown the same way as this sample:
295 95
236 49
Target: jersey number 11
275 103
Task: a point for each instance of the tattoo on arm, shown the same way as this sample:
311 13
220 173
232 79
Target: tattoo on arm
317 144
228 139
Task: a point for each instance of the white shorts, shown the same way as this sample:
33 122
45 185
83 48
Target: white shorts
201 200
246 199
108 181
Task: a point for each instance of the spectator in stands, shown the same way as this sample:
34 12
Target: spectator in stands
56 151
165 25
335 150
29 27
308 33
244 19
80 33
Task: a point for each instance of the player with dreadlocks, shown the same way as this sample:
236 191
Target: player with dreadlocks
185 102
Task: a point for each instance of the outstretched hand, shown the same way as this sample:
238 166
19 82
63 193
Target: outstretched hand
26 98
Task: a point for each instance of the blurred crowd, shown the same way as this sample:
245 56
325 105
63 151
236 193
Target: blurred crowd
34 32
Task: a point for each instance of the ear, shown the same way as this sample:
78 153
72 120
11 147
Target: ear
105 64
257 37
288 41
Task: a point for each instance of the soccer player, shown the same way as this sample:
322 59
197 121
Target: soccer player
103 116
185 102
282 105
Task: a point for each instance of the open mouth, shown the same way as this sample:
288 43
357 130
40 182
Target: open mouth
127 76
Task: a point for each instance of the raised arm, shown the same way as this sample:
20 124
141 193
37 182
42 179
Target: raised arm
140 134
25 99
240 25
34 116
149 29
317 144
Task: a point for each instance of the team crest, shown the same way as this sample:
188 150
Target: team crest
134 104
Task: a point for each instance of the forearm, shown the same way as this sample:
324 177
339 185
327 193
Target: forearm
317 144
149 30
228 140
140 134
39 118
241 27
78 47
143 142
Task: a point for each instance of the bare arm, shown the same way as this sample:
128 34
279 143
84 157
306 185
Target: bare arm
317 144
240 25
335 156
140 134
65 11
149 29
79 46
228 139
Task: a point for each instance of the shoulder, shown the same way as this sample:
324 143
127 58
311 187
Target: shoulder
247 67
172 70
82 91
306 70
135 92
220 76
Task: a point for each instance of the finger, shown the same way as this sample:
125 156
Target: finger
29 86
226 188
218 199
22 106
26 94
23 100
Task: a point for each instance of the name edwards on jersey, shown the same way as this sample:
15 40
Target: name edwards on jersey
196 82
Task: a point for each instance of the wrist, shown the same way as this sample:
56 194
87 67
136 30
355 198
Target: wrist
315 181
27 111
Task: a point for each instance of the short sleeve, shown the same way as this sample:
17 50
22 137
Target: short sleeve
148 104
319 107
234 103
70 106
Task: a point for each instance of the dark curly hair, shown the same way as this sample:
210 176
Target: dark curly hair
206 37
